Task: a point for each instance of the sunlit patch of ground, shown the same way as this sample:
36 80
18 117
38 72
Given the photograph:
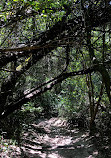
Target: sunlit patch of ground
52 139
9 151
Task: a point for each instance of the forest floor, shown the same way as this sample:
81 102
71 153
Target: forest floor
51 138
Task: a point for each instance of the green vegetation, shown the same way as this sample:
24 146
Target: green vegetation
55 60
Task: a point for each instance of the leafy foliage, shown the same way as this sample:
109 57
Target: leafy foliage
64 45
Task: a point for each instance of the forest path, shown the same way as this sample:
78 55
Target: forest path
52 139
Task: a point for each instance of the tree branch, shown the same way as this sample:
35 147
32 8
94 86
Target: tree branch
40 90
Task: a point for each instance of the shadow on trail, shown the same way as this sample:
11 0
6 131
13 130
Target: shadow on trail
52 139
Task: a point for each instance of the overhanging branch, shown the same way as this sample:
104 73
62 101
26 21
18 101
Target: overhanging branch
40 90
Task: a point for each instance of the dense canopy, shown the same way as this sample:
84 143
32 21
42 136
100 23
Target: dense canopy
53 40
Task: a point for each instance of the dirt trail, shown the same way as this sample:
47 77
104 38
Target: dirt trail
52 139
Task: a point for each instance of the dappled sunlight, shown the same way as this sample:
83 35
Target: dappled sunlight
53 155
52 139
55 62
94 154
57 141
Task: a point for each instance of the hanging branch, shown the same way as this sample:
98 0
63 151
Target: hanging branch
40 90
